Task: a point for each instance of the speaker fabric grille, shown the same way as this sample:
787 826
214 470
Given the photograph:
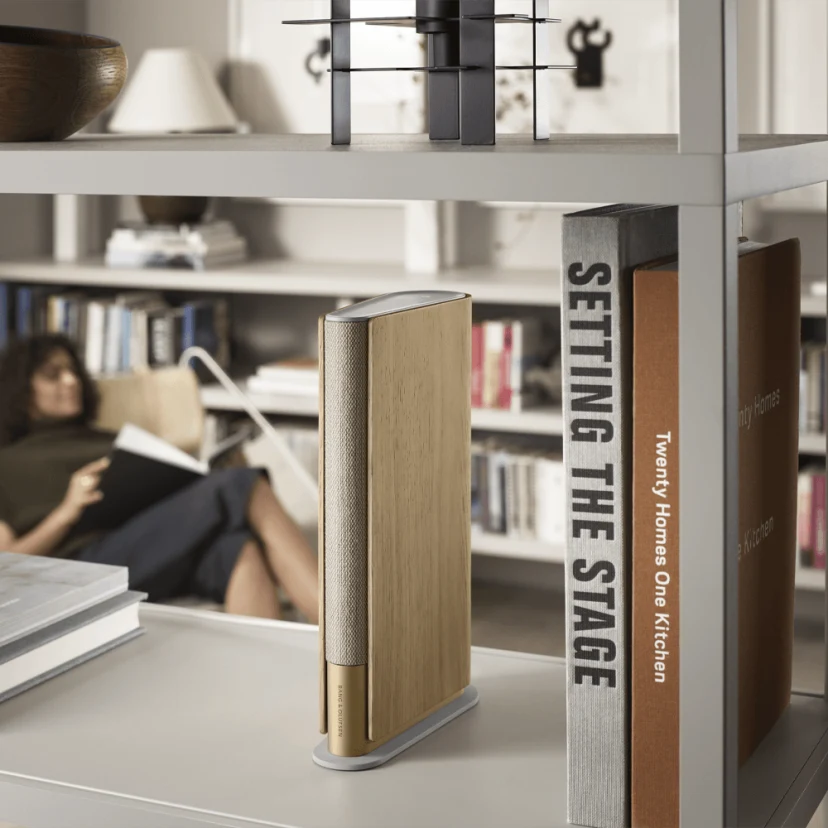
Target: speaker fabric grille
346 492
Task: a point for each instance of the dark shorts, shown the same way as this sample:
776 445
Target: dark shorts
186 545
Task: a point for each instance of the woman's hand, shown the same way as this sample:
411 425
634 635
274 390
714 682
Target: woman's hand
83 490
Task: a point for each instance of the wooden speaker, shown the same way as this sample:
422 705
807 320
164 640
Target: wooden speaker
395 556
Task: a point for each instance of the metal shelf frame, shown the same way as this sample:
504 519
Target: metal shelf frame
708 446
707 171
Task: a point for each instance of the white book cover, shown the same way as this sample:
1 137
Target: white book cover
292 374
497 493
550 501
522 470
95 333
112 343
136 440
37 591
494 333
261 385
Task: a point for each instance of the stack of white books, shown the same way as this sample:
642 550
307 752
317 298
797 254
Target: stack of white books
190 247
289 377
56 614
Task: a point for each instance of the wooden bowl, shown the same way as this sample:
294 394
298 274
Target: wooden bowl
53 83
174 209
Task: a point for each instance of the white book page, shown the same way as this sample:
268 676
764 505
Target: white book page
136 440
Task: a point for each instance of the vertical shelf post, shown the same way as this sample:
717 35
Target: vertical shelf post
477 85
541 56
340 76
443 45
708 440
825 391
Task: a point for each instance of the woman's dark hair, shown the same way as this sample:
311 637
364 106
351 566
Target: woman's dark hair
18 365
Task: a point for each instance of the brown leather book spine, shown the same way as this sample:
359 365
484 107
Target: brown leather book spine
655 561
769 343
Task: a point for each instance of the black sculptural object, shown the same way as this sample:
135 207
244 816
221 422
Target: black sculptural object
461 66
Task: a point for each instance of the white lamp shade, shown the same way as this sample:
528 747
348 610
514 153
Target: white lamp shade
173 90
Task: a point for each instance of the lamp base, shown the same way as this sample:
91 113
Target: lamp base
416 733
174 209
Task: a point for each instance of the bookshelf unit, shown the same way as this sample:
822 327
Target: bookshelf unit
707 170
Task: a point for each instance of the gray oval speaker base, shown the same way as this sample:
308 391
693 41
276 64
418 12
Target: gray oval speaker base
324 758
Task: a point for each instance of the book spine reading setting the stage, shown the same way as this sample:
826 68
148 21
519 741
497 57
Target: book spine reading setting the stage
600 249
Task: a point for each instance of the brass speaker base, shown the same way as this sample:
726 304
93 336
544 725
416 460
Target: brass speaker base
324 758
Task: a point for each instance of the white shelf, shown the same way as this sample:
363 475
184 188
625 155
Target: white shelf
210 720
568 168
283 277
812 444
505 547
140 712
538 421
289 278
810 579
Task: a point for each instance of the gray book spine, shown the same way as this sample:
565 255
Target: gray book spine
601 248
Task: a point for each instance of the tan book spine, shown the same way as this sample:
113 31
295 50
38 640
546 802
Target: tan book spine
655 595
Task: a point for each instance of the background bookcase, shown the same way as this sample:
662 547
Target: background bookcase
708 169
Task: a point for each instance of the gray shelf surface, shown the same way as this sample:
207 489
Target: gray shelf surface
575 168
210 720
284 277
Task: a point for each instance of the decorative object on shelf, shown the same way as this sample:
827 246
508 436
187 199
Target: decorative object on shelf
187 246
322 50
54 83
395 548
173 91
589 56
460 65
301 474
174 209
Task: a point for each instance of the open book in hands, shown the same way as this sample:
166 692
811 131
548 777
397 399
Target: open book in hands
143 471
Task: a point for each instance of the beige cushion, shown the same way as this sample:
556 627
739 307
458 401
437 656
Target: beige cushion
165 402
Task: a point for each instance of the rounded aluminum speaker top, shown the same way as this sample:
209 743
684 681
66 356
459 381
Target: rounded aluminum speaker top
393 303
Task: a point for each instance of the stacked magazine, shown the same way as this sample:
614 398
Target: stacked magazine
56 614
189 247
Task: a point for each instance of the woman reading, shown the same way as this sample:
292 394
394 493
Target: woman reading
225 538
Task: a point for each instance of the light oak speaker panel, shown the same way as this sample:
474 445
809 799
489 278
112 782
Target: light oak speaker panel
394 511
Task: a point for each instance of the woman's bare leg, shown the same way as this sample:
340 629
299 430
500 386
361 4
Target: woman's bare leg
251 590
286 549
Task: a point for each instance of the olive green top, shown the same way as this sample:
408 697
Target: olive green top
35 474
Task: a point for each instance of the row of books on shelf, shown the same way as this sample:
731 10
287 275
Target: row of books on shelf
190 247
620 335
517 493
811 519
505 353
124 332
812 413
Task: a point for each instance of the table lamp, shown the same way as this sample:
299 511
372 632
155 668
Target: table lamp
173 91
